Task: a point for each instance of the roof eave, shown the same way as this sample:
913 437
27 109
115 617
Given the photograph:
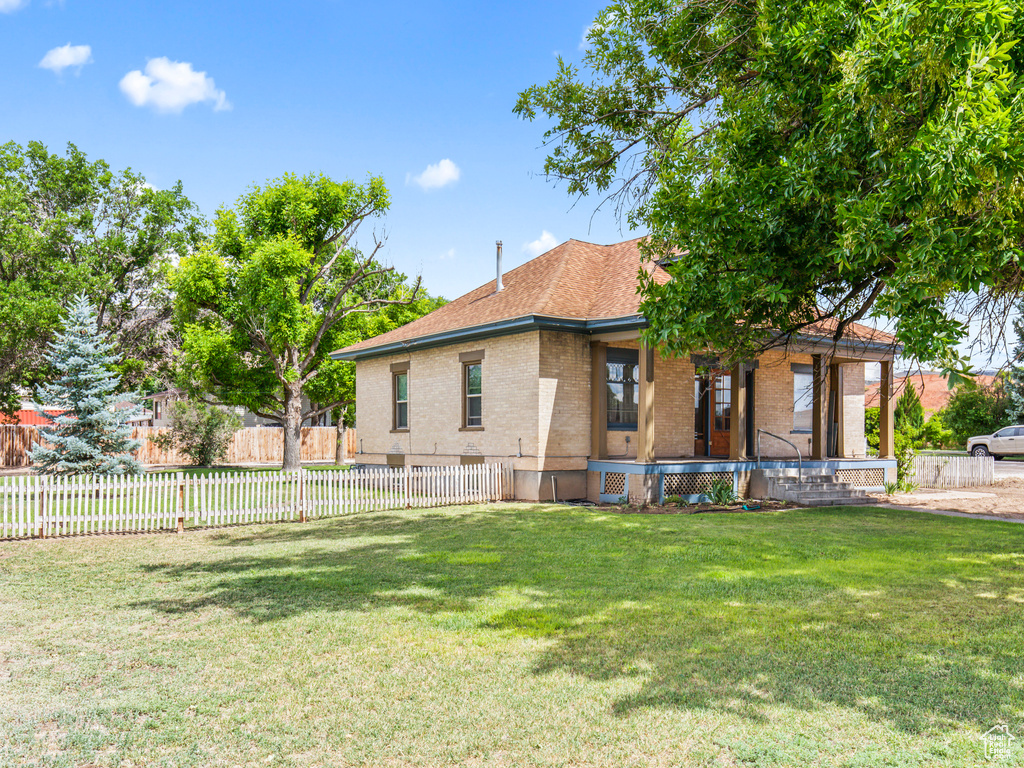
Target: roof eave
852 347
528 323
522 324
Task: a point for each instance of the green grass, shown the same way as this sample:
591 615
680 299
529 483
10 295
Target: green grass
517 635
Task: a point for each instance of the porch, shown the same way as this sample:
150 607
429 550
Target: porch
808 400
689 478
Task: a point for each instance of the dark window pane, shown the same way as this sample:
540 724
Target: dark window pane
402 416
623 391
474 411
473 380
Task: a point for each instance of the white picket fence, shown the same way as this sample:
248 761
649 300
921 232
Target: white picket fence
953 471
33 506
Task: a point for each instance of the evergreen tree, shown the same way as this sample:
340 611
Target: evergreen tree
908 415
90 436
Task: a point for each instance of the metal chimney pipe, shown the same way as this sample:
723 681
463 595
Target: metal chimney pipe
500 286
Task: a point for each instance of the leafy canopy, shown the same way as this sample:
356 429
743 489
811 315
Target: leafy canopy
281 284
836 159
975 410
69 226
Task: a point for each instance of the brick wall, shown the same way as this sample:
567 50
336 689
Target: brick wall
536 386
773 404
853 411
510 385
564 400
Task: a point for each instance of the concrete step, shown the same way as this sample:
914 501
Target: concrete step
792 472
826 496
814 488
831 485
816 480
855 501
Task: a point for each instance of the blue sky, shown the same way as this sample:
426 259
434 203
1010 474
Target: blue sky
346 89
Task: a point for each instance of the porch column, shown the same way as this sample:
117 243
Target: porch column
598 400
886 422
818 410
738 413
645 414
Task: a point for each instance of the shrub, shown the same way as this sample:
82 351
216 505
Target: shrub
937 434
720 491
974 410
904 461
200 431
871 419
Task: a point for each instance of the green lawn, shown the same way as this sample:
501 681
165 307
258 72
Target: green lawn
517 635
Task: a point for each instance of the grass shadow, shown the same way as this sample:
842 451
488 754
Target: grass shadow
910 619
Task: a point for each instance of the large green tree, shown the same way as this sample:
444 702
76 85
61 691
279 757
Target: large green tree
797 161
275 291
71 226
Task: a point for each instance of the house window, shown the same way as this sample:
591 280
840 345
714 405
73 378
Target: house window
803 397
156 410
623 387
473 386
401 400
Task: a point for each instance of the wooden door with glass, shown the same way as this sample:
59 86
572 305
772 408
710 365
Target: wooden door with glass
712 413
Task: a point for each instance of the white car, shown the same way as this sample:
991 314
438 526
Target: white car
1008 441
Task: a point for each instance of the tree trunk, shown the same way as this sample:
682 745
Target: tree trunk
292 427
339 443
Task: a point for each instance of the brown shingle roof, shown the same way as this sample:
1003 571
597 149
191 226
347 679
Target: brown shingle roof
574 281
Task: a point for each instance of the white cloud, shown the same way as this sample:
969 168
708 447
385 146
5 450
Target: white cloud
542 244
583 39
611 18
170 86
448 255
60 58
438 175
10 6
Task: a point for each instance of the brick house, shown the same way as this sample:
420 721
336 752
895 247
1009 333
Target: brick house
547 371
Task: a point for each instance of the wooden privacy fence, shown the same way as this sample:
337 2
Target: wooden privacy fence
953 471
252 445
32 506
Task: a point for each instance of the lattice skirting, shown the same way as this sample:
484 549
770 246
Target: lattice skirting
873 477
614 483
693 483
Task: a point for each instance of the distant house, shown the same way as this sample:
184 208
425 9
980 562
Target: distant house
932 388
28 416
159 413
548 372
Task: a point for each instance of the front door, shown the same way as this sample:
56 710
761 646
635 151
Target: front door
712 413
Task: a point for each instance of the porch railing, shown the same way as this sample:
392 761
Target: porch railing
799 457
